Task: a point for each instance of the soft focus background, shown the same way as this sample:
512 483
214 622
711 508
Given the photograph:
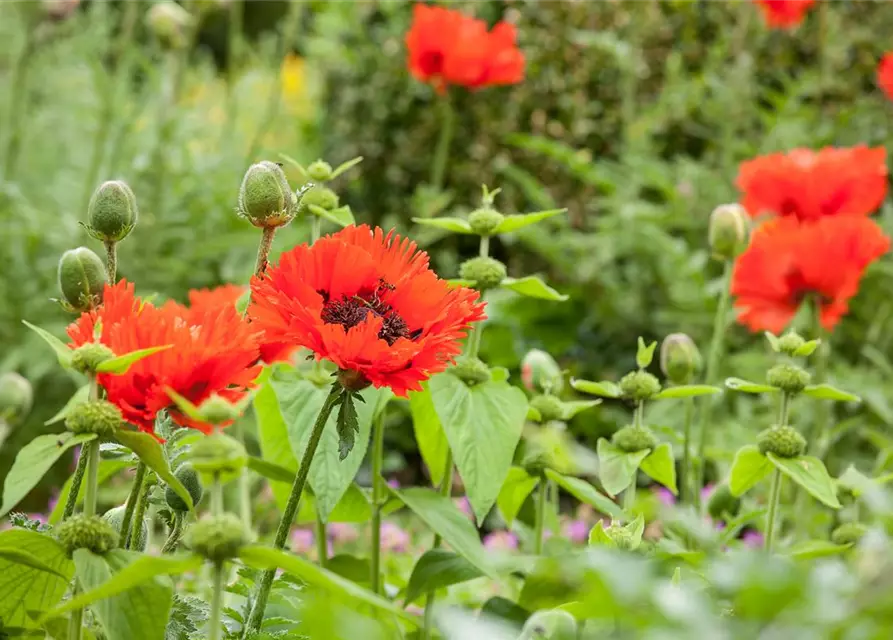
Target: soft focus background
633 115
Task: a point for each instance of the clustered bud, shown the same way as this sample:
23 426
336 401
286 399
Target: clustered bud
632 438
265 198
218 455
540 372
188 477
82 278
16 398
621 536
112 212
781 440
849 533
728 230
169 23
87 532
549 407
318 196
680 359
722 503
639 385
471 371
115 517
788 377
87 357
97 416
486 272
484 221
789 343
218 410
217 538
319 171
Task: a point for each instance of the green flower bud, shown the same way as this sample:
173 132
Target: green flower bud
721 502
86 532
781 440
471 371
319 196
88 356
540 372
97 416
218 454
788 377
169 22
188 477
849 533
535 463
115 517
680 359
789 343
485 272
728 231
549 407
621 536
112 213
82 278
218 410
639 385
632 438
484 221
217 538
16 398
319 171
265 198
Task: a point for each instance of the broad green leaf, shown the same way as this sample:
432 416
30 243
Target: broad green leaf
748 468
807 348
745 386
809 549
429 435
585 492
120 364
107 469
271 470
810 473
571 408
517 486
456 225
534 415
483 425
354 506
688 391
342 216
63 353
533 287
344 166
148 449
827 392
519 221
445 519
604 388
24 588
26 558
617 469
317 578
32 463
598 536
438 569
273 436
80 397
645 353
660 467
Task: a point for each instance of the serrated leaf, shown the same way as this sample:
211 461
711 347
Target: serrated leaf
519 221
748 468
344 166
745 386
533 287
429 435
604 388
438 569
687 391
644 353
24 557
617 469
63 353
809 472
585 492
660 467
456 225
827 392
147 449
348 425
121 364
517 486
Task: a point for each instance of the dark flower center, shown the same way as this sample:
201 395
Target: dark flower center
350 311
799 289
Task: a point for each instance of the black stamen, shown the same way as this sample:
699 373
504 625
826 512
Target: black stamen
351 311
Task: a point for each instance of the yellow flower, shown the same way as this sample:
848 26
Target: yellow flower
292 80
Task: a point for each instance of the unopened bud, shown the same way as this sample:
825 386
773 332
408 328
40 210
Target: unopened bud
722 503
319 196
188 477
486 272
88 356
633 438
728 231
789 343
169 22
484 221
97 416
218 455
16 398
680 359
549 407
782 441
87 532
319 171
621 536
788 377
540 372
471 371
265 198
849 533
82 279
639 385
112 213
218 410
115 517
217 537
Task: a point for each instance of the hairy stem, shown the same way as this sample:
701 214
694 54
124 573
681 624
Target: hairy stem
135 491
173 539
111 253
446 490
91 449
442 150
76 481
263 251
540 517
774 494
214 622
377 499
139 515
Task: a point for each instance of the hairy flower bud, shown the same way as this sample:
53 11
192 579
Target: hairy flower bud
549 407
728 230
265 198
217 538
621 536
721 502
319 196
218 410
680 359
790 342
484 271
88 356
471 371
82 278
639 385
115 517
540 372
319 171
188 477
788 377
849 533
169 22
632 438
112 213
218 454
86 532
97 416
484 221
16 398
781 440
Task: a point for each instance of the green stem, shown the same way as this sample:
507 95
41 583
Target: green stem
473 344
92 477
321 536
18 95
216 496
170 545
629 497
244 483
214 622
76 621
377 499
540 517
819 432
139 515
446 490
135 491
263 251
774 494
485 246
111 252
442 150
685 486
315 228
291 508
76 481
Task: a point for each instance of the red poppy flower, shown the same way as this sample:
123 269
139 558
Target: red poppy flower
369 303
214 351
811 184
784 14
447 47
788 260
885 75
226 295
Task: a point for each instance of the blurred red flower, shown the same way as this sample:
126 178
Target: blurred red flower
226 295
788 261
369 303
784 14
885 74
447 47
811 184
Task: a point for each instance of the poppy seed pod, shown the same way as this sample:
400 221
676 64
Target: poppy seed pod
265 198
680 359
115 517
188 477
82 278
112 212
540 372
728 230
16 398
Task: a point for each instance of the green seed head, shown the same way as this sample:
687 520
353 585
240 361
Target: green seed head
319 171
540 372
115 517
217 538
265 198
549 407
88 356
188 477
112 213
788 377
87 532
319 196
848 533
97 416
218 454
82 278
680 359
783 441
722 503
484 221
486 272
218 410
471 371
632 438
16 398
728 231
790 342
639 385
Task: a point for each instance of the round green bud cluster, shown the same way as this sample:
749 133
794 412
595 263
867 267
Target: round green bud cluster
319 171
728 230
790 342
849 533
721 502
82 278
265 198
16 398
549 407
218 410
319 196
218 454
484 271
484 221
632 438
97 416
535 463
540 372
88 356
781 440
87 532
621 536
115 517
471 371
680 359
169 22
112 212
188 477
788 377
639 385
217 538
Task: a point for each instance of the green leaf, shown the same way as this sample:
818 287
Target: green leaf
32 463
24 588
80 397
438 569
63 353
645 353
809 549
585 492
856 482
354 506
604 389
271 470
745 386
429 435
773 341
483 425
748 468
456 225
688 391
121 364
533 287
297 165
107 469
807 348
534 415
342 216
517 486
571 408
317 578
273 435
827 392
617 469
810 473
28 559
347 424
519 221
344 166
660 467
148 449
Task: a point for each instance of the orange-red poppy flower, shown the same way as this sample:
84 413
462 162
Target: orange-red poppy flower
811 184
226 295
788 261
784 14
885 74
369 303
447 47
214 351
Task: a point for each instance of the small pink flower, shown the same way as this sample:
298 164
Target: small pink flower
393 537
464 506
302 541
576 530
706 491
501 541
753 539
393 483
342 532
665 496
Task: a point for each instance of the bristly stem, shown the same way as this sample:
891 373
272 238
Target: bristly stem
321 537
446 490
442 150
91 449
111 253
774 495
76 481
135 492
139 515
377 499
291 508
173 539
263 251
217 576
540 517
18 94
